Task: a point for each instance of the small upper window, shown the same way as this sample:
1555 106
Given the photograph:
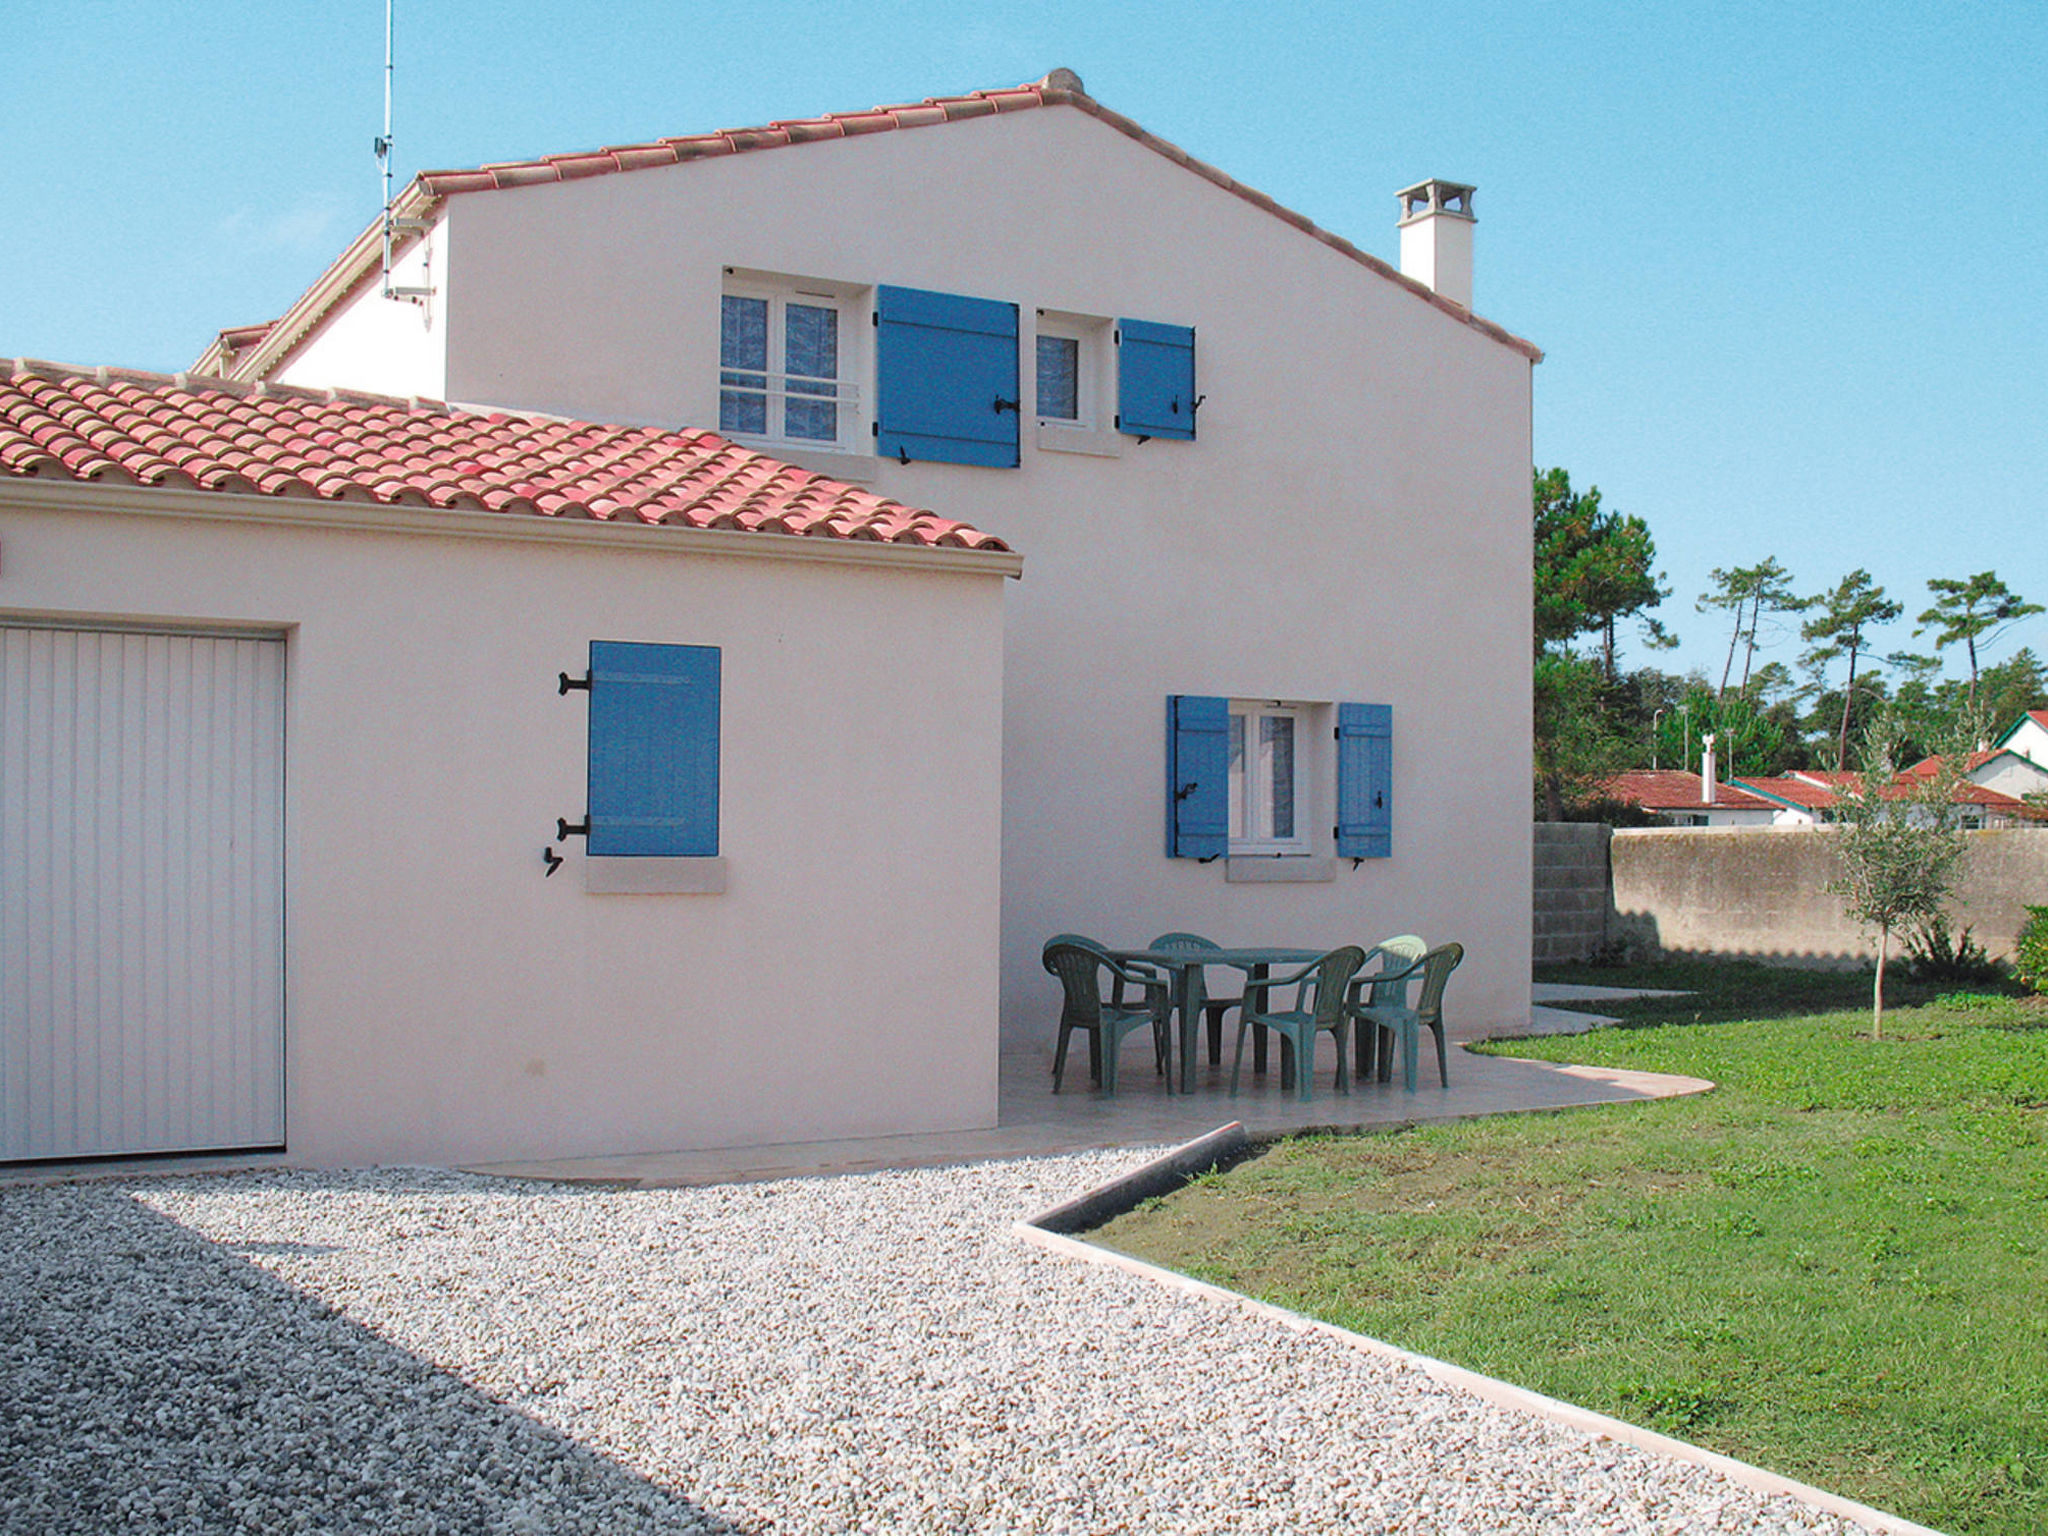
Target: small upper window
1059 378
1070 368
783 369
1266 802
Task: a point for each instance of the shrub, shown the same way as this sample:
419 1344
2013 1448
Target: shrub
1934 954
2030 955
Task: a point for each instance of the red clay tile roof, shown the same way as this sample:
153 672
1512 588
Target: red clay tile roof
123 427
1673 789
1818 789
1060 88
1796 791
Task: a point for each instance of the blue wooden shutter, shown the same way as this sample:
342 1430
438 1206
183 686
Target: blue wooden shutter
1155 379
945 378
1197 776
1365 780
653 750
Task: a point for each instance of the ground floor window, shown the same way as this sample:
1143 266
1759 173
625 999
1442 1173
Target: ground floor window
1266 800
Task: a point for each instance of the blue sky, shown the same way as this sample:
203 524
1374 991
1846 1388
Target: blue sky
1789 261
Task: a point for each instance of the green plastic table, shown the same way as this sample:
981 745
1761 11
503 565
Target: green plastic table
1190 990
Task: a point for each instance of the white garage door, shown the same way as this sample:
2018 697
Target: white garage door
141 892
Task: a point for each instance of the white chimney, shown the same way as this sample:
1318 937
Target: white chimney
1708 793
1436 237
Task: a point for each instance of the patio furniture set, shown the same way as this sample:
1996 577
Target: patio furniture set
1360 996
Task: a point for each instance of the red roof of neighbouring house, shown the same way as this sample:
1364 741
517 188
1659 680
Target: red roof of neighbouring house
1795 791
1927 767
1673 789
148 429
1060 88
1818 789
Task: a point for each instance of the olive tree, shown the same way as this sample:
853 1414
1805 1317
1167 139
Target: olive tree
1899 844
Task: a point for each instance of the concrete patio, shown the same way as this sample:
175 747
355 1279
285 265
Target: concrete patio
1034 1121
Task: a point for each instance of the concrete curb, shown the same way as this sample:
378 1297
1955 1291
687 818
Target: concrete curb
1053 1229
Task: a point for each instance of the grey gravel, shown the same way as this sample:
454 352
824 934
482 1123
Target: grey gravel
410 1350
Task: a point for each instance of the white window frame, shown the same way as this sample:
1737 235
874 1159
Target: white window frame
1090 333
851 418
1251 782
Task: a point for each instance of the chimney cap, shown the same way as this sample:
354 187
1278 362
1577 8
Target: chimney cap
1436 195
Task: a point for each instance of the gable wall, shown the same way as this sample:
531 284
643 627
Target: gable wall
393 346
1353 523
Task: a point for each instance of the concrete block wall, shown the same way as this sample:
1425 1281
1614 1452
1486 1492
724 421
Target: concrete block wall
1571 890
1761 892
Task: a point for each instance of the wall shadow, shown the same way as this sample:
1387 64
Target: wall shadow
151 1380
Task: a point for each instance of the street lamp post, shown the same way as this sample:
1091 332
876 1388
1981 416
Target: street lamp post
1656 719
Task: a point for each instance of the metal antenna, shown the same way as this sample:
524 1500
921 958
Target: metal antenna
384 147
394 226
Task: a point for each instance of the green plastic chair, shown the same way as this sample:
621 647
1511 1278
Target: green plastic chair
1080 966
1428 1013
1386 985
1320 986
1215 1007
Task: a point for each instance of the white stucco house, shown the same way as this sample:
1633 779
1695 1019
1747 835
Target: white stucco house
324 678
1266 674
297 692
2028 737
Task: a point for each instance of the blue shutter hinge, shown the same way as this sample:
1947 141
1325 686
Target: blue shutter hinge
564 831
1210 860
552 859
1185 790
1001 405
902 454
567 682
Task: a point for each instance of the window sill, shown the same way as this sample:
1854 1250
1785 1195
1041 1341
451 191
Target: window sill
853 468
654 877
1283 869
1102 445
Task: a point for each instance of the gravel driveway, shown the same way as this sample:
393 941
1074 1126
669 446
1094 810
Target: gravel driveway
419 1351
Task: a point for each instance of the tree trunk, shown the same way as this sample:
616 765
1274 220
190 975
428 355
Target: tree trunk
1884 938
1971 642
1848 698
1728 666
1553 797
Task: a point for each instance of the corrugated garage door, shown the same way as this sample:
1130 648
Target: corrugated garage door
141 892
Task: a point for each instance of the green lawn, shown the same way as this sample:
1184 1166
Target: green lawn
1834 1266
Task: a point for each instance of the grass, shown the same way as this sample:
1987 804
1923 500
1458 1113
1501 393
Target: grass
1834 1266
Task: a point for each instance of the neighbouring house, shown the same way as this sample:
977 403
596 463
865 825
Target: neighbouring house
1999 769
1682 799
1267 675
2029 737
1808 797
297 690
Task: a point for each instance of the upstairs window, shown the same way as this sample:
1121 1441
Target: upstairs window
1071 387
1059 378
784 369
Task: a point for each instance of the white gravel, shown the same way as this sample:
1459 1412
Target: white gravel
419 1351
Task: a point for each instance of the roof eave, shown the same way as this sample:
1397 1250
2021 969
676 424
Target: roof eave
363 256
59 495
